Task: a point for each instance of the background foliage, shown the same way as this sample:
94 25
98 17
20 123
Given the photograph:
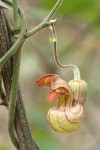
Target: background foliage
78 29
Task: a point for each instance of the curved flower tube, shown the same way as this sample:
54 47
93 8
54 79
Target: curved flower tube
69 113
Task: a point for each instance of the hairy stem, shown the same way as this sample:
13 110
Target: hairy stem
13 98
19 41
69 66
5 43
15 13
15 80
22 127
21 124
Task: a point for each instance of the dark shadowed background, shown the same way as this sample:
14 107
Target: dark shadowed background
78 30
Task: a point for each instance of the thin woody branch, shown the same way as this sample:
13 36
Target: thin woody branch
46 22
69 66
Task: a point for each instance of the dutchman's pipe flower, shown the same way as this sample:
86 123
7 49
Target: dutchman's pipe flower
69 113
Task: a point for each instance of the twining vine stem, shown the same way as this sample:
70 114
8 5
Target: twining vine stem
70 66
15 14
13 98
20 39
15 80
15 51
45 23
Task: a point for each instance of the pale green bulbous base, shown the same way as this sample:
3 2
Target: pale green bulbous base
68 116
59 121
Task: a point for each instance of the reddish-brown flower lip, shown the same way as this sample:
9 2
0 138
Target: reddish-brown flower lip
58 86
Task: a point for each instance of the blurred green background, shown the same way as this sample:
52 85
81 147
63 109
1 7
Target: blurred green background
78 30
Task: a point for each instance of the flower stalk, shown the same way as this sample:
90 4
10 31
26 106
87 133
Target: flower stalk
69 66
47 21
